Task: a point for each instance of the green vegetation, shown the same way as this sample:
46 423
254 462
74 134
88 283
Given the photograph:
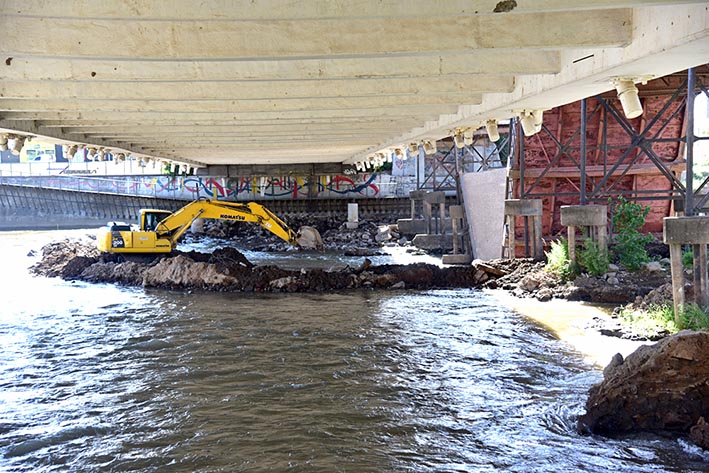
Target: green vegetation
661 318
558 260
688 259
592 258
628 218
694 318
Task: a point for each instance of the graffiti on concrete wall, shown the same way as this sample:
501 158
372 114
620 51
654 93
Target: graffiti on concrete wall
235 188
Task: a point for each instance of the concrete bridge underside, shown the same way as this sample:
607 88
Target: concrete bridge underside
326 81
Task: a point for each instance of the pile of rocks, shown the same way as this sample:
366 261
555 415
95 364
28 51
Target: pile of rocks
530 279
369 235
659 388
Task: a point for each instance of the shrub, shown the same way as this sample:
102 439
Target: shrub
558 260
628 218
592 258
694 318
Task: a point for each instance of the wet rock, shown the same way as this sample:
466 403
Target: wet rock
399 285
699 433
544 294
362 252
660 387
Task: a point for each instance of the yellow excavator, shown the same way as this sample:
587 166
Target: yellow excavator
160 230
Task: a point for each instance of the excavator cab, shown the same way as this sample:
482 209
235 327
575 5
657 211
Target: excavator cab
149 218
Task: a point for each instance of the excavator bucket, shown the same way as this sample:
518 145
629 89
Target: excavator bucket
309 237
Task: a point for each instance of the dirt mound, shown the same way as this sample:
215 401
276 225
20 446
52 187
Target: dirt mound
66 258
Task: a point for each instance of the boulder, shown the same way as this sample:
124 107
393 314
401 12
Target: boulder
660 387
699 433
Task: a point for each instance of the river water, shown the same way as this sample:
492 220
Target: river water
102 378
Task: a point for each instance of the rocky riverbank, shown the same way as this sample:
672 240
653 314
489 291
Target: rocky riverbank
659 388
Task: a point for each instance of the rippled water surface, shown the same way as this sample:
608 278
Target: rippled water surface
101 378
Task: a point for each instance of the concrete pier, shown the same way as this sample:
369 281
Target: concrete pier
593 217
678 231
530 209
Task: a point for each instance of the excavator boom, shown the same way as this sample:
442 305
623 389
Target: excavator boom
162 236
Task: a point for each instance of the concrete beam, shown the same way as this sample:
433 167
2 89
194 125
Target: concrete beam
259 90
420 112
249 10
136 70
235 106
185 39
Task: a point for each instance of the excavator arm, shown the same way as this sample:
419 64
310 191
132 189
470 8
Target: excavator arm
175 225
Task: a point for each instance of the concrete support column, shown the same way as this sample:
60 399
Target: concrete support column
352 216
416 197
527 208
593 216
429 200
457 213
678 231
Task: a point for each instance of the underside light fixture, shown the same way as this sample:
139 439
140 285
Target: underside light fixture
120 157
429 147
71 150
468 138
3 142
413 149
359 166
91 153
399 153
538 120
101 154
493 133
458 139
527 119
628 96
16 143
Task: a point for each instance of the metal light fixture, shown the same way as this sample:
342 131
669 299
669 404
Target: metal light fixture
17 143
628 96
3 142
538 120
468 136
493 133
71 150
527 119
458 139
429 147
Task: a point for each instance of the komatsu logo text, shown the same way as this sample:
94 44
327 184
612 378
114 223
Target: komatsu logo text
232 217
